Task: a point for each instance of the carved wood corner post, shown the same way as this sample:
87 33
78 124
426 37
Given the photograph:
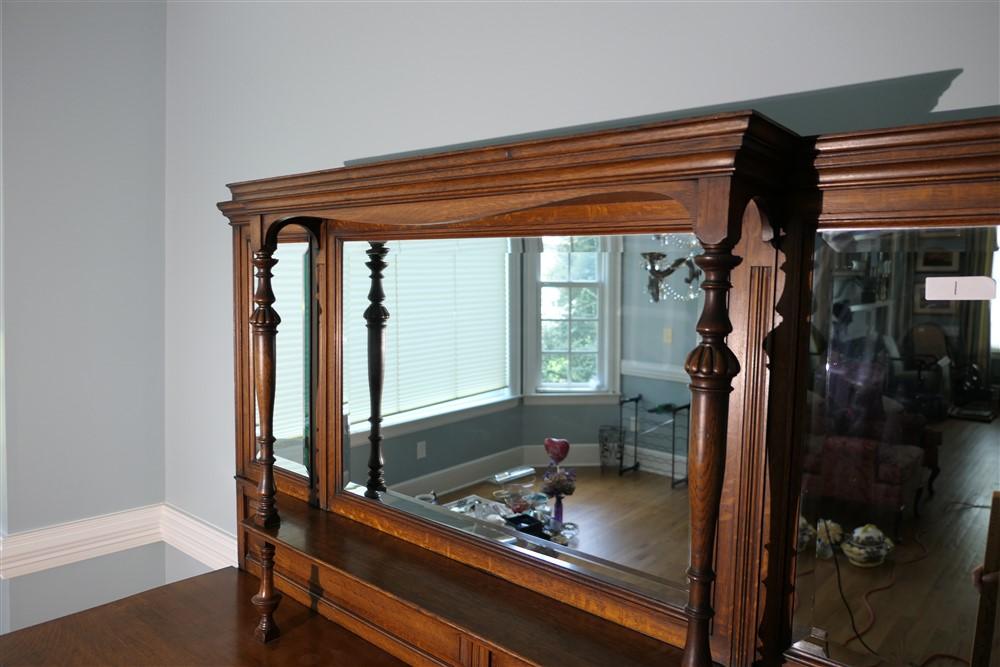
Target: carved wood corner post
376 317
712 367
264 322
267 598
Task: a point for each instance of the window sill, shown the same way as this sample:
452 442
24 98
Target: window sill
437 415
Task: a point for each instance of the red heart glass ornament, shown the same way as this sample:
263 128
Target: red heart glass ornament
557 449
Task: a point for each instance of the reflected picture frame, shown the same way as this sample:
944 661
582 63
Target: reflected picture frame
938 260
921 306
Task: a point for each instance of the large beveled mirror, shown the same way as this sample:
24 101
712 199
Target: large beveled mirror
533 393
900 445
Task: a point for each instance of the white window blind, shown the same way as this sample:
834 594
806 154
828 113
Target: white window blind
448 332
289 285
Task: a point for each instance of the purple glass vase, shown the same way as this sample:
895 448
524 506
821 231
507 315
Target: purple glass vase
558 512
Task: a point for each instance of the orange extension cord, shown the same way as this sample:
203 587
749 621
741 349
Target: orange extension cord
887 586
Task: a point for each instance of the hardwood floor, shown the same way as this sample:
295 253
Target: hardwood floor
635 520
205 620
931 605
639 522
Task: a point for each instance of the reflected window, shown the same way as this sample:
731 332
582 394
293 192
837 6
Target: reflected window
588 473
448 336
572 288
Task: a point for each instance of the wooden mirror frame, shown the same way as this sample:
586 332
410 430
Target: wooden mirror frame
923 176
748 189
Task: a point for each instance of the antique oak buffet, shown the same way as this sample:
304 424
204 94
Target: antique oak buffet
754 194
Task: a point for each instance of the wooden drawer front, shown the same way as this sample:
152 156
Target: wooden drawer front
404 622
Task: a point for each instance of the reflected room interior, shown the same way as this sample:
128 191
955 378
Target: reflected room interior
901 449
534 394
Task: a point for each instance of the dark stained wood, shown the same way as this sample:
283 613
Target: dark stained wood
935 175
664 621
696 174
247 236
712 367
535 172
376 316
986 617
768 315
202 621
265 323
266 599
429 601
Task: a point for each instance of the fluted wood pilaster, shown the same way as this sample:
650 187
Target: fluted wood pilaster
712 367
376 317
264 323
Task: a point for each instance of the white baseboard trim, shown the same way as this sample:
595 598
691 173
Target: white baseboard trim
461 475
471 472
658 463
65 543
202 541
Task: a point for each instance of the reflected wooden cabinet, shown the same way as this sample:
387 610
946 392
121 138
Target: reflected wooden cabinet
407 575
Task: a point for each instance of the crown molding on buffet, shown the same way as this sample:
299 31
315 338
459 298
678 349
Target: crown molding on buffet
65 543
666 150
841 180
865 179
916 153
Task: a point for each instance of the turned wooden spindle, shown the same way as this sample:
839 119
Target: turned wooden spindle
267 598
264 322
376 317
712 367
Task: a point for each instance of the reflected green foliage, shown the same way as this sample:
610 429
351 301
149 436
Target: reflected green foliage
583 266
583 368
555 336
584 336
584 302
570 327
555 368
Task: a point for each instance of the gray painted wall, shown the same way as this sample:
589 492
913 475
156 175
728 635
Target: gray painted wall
477 437
576 423
83 259
355 80
447 445
643 322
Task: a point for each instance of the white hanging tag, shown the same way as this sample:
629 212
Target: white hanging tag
961 288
